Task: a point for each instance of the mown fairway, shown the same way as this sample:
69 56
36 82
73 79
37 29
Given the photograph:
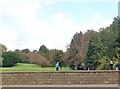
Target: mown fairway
31 68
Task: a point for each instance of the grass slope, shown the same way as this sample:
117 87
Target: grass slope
23 67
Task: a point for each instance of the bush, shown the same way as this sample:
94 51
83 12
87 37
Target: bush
10 58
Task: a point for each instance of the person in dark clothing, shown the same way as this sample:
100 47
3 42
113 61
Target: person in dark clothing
111 65
117 66
79 67
72 66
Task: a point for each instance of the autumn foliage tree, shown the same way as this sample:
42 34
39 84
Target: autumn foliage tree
77 50
36 58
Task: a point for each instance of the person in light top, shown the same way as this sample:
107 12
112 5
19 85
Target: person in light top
57 66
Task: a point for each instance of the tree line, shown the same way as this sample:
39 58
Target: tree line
96 49
93 48
43 57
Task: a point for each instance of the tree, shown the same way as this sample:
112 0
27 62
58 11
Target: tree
43 50
73 49
3 48
26 51
77 50
57 56
24 58
117 56
10 59
102 47
93 54
34 51
36 58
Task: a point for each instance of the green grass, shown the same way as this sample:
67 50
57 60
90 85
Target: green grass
23 67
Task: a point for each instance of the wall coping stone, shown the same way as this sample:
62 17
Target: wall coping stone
82 71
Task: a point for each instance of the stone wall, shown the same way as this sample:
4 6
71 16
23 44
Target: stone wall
40 78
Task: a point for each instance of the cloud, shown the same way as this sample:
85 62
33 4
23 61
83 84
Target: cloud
58 29
97 17
55 31
52 32
96 22
48 2
63 23
16 9
8 37
20 8
82 1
